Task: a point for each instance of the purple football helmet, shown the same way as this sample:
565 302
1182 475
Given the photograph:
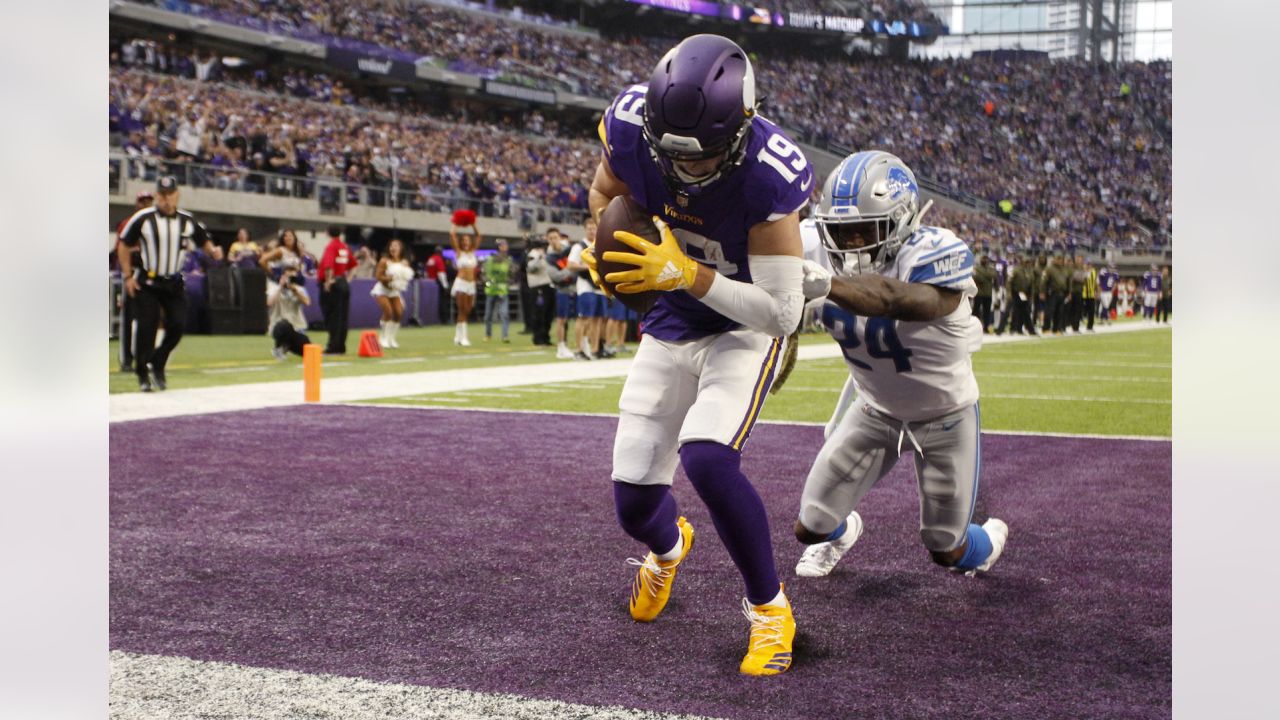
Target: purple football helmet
699 106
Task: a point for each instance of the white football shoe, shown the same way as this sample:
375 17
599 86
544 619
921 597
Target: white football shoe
998 531
818 560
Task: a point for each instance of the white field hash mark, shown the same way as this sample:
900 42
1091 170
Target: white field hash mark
144 687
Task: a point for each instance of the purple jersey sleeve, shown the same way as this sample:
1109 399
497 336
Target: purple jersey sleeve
773 181
780 176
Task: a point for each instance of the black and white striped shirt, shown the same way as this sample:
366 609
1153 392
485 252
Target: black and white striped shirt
163 239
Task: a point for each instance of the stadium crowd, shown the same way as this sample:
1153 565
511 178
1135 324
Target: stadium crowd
1084 149
240 134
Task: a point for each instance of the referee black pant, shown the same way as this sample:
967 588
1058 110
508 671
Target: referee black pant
335 303
154 296
127 316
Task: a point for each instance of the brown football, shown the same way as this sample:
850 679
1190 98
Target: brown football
624 213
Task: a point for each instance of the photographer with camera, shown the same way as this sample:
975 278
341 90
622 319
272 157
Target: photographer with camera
285 301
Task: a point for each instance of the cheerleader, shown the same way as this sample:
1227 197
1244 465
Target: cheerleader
288 254
464 286
393 275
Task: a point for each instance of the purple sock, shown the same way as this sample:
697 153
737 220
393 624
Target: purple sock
648 514
737 512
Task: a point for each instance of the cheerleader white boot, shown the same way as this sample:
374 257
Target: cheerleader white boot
383 334
462 332
393 329
457 334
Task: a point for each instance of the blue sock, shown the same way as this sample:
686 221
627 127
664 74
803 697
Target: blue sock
977 548
737 512
838 532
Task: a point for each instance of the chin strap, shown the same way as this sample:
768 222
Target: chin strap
915 221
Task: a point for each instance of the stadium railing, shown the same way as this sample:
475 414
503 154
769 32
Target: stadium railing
333 195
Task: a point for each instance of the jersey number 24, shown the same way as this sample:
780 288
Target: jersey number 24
880 336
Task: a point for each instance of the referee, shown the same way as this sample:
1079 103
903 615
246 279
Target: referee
162 235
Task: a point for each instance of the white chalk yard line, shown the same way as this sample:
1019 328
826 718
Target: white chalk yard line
144 687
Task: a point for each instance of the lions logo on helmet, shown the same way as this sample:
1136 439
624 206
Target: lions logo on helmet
870 205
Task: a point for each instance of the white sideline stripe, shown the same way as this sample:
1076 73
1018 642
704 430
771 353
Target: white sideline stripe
400 361
144 687
798 423
477 393
252 396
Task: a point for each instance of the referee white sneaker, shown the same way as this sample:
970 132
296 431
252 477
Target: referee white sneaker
818 560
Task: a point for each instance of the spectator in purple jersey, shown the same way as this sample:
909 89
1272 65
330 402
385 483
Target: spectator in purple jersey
724 186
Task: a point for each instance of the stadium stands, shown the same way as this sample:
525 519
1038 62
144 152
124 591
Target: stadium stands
237 136
1082 152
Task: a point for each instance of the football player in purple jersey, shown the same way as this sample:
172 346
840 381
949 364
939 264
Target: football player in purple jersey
724 186
1108 278
1152 285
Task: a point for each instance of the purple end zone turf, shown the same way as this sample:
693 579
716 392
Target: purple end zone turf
301 538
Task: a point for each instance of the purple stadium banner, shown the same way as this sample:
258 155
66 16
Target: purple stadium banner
355 61
693 7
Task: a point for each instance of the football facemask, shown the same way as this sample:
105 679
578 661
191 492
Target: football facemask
856 246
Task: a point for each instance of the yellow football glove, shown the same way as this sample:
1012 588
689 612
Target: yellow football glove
589 259
658 267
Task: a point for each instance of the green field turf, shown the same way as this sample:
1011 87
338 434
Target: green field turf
1094 384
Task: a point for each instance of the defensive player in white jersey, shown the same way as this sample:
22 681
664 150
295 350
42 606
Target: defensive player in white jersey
898 300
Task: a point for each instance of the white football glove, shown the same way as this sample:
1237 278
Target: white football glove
817 281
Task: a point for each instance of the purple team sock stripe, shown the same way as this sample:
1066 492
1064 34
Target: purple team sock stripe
763 381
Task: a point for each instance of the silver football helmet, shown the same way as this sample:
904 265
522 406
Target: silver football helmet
870 205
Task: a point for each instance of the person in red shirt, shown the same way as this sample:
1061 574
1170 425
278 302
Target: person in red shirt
435 269
335 294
